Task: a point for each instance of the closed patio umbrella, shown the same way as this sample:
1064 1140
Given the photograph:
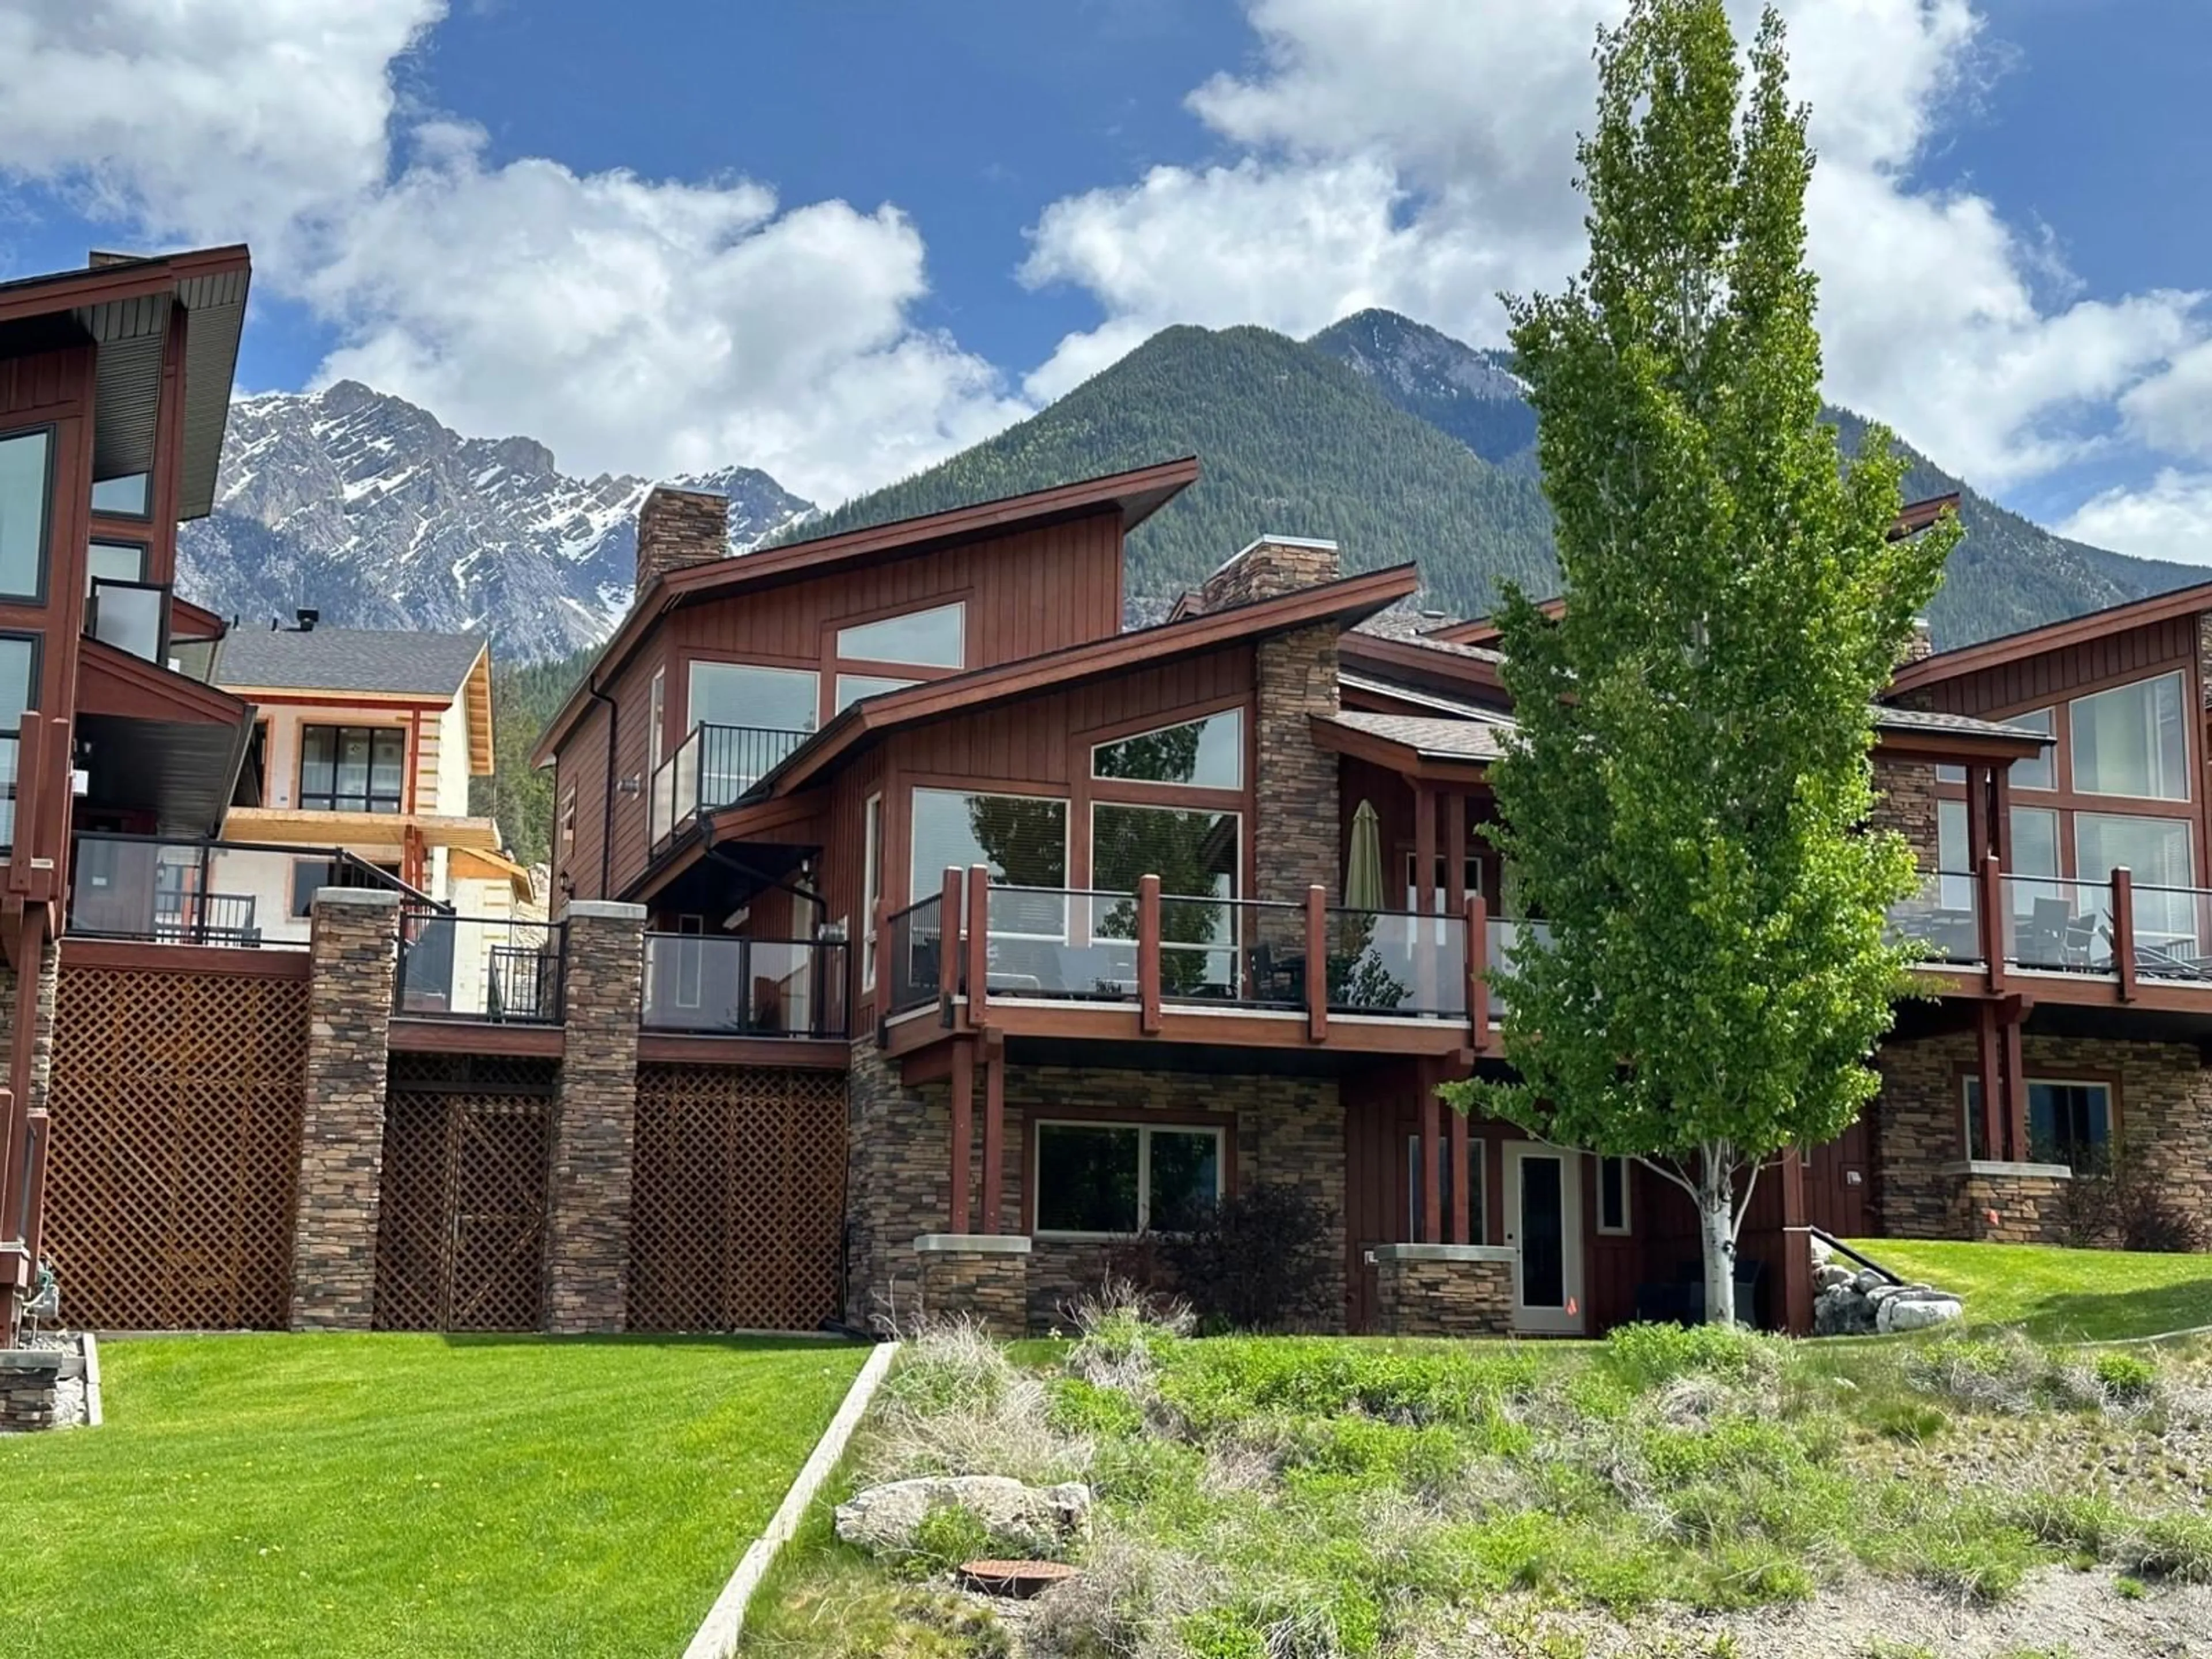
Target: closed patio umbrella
1362 865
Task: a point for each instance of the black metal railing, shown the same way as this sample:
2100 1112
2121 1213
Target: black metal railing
172 892
911 957
729 987
711 768
479 967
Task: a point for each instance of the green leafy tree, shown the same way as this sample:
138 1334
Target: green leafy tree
1687 799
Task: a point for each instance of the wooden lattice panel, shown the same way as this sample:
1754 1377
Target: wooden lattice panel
461 1222
737 1201
176 1101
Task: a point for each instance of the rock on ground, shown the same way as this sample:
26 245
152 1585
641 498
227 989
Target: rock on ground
1041 1519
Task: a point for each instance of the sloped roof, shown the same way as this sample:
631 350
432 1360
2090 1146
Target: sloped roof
1435 739
1421 629
1929 719
381 661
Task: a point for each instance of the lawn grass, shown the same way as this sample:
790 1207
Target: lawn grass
2057 1295
347 1496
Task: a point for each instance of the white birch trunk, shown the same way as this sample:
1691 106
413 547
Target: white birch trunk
1717 1219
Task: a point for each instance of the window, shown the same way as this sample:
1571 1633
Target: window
924 639
746 694
2159 853
2041 773
568 820
656 722
1470 874
1124 1178
1953 857
2035 853
352 768
308 876
1416 1210
114 561
128 497
1612 1183
19 694
851 688
2131 740
1022 839
1208 753
26 474
2068 1122
871 852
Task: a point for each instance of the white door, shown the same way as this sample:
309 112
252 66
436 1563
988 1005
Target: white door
1544 1224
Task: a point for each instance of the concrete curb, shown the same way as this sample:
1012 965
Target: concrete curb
92 1412
718 1634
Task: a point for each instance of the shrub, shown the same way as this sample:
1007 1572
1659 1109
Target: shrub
1647 1358
2177 1546
2116 1198
2127 1379
1261 1259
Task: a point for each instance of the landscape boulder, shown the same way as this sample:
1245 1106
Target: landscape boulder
1865 1304
1916 1313
1041 1520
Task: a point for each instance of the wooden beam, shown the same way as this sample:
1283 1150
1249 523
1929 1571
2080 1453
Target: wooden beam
2008 1024
1478 965
1454 852
979 943
1432 1203
1796 1248
1992 919
1148 954
1461 1209
1318 964
963 1119
994 1131
1425 903
1986 1056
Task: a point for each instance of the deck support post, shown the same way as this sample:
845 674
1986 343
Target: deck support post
2015 1096
1462 1180
1478 966
1149 1018
994 1126
1797 1247
1432 1209
963 1124
1991 895
1425 897
1317 963
1987 1069
2123 930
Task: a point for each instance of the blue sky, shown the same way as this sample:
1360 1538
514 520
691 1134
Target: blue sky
841 240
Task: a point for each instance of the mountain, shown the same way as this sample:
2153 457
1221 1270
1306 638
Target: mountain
1405 444
367 509
2007 574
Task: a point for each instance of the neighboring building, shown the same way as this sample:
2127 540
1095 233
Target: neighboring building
114 384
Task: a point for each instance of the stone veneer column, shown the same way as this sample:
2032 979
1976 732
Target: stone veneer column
351 956
679 528
594 1120
1443 1290
2009 1203
981 1276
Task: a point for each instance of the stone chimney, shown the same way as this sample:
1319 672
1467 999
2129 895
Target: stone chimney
1922 643
1296 780
679 528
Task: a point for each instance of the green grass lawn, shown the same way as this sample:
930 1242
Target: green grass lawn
2058 1295
353 1496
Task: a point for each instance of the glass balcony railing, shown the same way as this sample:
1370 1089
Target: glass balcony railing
722 986
1941 920
1383 962
479 967
711 768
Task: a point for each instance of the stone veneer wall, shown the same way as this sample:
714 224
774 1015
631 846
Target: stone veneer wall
1414 1297
1991 1209
351 956
679 528
42 1039
1905 801
30 1397
1284 1130
594 1128
989 1285
2163 1102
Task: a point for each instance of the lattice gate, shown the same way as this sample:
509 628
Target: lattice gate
176 1102
461 1224
737 1200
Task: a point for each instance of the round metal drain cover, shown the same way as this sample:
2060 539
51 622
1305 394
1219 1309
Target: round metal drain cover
1018 1579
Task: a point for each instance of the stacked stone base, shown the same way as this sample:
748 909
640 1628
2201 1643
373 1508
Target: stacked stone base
2008 1203
45 1388
1443 1290
980 1276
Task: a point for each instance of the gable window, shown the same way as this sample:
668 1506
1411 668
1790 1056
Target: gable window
2041 773
936 638
25 480
352 768
2131 740
751 694
851 688
130 497
1107 1178
1205 753
2068 1121
1021 839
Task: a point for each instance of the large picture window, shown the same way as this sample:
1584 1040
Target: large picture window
19 694
26 473
921 639
2068 1122
750 695
1021 839
1206 753
1106 1178
2132 740
352 768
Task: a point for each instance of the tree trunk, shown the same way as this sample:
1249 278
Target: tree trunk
1717 1227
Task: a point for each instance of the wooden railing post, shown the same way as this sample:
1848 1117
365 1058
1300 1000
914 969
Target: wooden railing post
1477 965
1992 919
979 943
1317 963
948 948
2123 930
1148 954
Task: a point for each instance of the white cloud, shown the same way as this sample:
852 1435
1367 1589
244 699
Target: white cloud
2173 412
1417 154
2169 519
637 325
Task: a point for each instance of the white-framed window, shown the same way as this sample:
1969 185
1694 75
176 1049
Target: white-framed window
656 728
1613 1182
1470 875
1098 1180
1021 839
2132 740
1416 1210
746 694
872 853
1208 753
934 638
2041 773
2069 1120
